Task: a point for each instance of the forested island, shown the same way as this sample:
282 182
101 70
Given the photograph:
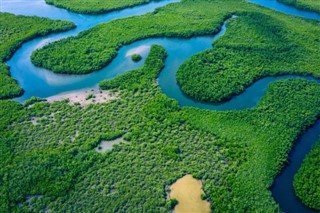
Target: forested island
95 6
123 145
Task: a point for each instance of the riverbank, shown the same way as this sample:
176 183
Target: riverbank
84 97
24 29
95 7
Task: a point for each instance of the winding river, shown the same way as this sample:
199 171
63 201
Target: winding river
43 83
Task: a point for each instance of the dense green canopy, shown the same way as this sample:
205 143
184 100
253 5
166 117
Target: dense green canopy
95 6
307 180
52 164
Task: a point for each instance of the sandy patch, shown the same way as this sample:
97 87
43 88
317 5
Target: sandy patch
139 50
107 145
84 97
188 191
34 120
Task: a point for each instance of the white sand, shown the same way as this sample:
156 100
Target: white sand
34 120
139 50
100 96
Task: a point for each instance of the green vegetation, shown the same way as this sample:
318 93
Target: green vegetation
307 180
249 51
172 203
93 49
140 78
311 5
51 164
136 57
33 100
203 197
89 96
266 133
236 154
14 30
8 86
95 6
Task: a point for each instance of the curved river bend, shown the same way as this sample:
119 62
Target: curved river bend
43 83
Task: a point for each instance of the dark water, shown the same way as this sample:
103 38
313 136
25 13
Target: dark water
282 189
43 83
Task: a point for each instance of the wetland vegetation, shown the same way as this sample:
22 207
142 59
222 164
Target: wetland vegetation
95 6
49 149
307 180
14 30
249 51
136 57
165 143
93 49
312 5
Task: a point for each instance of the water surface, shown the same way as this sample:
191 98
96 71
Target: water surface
43 83
188 190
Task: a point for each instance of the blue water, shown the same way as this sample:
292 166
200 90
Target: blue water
43 83
275 5
282 189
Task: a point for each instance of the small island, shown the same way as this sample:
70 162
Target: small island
136 57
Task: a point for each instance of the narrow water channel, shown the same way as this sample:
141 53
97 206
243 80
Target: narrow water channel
43 83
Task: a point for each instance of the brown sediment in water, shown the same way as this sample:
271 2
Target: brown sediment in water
188 190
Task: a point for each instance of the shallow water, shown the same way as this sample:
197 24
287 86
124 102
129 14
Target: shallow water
188 190
43 83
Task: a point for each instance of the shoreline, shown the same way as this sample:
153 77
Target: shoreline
84 97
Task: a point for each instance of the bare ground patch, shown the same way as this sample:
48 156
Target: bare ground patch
84 97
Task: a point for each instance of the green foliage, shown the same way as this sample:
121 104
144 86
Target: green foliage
50 173
249 51
236 153
89 96
33 100
95 48
8 86
136 57
203 196
140 78
95 6
14 30
311 5
265 134
171 203
171 151
307 180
